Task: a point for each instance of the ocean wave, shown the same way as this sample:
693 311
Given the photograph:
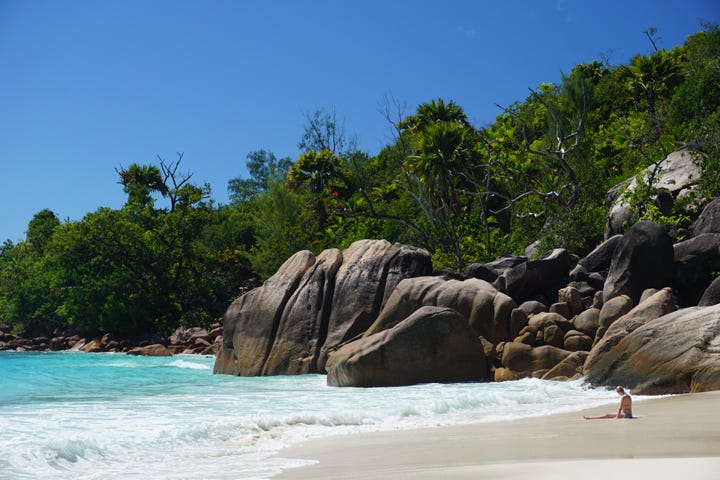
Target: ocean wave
176 420
189 365
73 450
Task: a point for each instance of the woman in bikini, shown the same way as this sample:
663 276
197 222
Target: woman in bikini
625 410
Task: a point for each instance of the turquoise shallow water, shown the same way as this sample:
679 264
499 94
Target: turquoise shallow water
111 416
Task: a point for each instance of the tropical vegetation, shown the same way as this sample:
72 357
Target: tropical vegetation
172 256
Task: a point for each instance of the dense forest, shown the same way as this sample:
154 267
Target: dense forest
464 193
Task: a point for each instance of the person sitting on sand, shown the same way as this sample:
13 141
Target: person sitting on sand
625 410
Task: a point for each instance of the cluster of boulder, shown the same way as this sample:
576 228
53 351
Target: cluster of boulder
183 340
23 343
640 311
374 315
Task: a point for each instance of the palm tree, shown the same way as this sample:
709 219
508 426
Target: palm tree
139 181
432 112
650 77
441 153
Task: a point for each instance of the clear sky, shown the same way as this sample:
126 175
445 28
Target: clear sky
87 86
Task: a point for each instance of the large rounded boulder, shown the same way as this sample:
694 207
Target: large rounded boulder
657 305
299 337
485 309
520 360
434 344
543 276
596 261
709 219
311 305
696 262
711 296
251 321
676 176
643 258
676 353
370 271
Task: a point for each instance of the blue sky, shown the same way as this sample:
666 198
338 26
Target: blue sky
87 86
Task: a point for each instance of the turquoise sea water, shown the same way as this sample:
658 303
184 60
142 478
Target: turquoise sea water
111 416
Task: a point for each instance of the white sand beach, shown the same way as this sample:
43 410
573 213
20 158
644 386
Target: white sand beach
671 437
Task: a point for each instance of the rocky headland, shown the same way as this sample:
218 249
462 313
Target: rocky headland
641 310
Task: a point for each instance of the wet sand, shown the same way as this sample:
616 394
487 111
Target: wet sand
671 437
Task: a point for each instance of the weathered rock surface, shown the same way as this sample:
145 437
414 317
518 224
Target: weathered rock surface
520 361
676 353
532 307
576 340
155 350
662 303
93 346
643 258
312 305
251 321
597 261
570 368
588 322
492 270
711 295
296 348
696 260
709 219
543 276
485 309
573 298
677 175
433 344
370 271
611 310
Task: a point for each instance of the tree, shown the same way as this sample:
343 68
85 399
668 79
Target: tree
650 78
177 186
40 229
323 131
323 174
263 167
140 181
283 226
551 141
436 151
433 112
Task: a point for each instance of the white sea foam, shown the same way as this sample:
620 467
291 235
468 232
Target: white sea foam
92 417
189 365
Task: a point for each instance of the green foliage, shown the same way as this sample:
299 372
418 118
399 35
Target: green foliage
540 171
709 137
263 167
140 181
283 226
40 230
579 230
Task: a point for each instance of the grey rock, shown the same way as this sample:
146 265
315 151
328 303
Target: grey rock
696 260
675 353
432 345
709 219
542 276
644 258
711 296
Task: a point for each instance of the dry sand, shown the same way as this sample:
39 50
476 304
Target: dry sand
672 437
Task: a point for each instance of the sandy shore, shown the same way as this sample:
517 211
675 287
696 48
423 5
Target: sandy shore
672 437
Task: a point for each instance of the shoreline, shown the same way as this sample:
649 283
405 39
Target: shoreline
185 340
670 436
